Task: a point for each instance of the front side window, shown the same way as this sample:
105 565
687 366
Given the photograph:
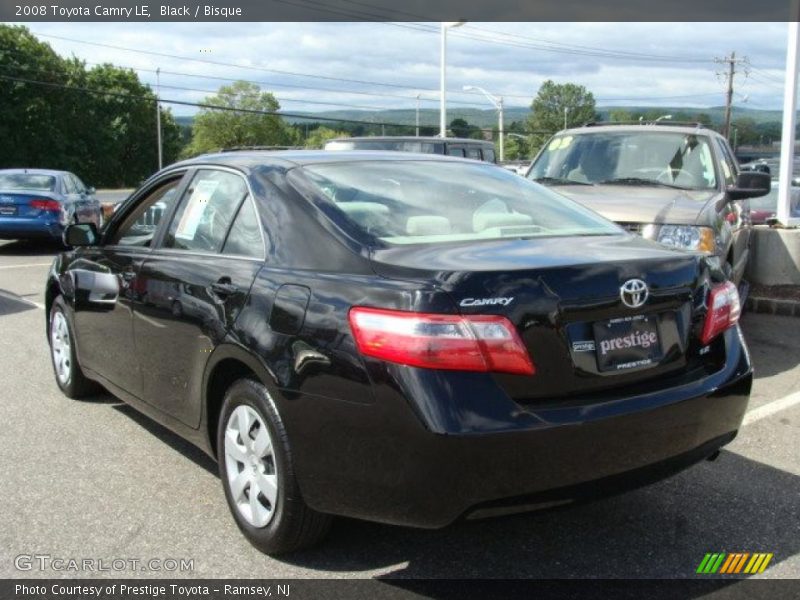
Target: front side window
662 158
728 164
412 202
206 211
139 227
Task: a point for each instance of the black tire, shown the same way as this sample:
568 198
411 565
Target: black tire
76 385
293 525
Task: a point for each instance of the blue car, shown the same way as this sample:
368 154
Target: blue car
39 203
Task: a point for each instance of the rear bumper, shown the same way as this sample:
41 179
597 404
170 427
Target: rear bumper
14 228
382 461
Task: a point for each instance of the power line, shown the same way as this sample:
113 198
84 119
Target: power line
210 106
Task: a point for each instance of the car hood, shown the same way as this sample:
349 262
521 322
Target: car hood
640 204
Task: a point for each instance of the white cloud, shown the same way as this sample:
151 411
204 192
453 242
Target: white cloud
506 58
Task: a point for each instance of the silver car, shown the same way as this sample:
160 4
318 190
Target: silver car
678 185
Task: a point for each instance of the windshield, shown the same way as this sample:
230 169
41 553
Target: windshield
659 158
27 181
413 202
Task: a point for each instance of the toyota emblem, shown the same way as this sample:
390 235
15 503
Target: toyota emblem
634 293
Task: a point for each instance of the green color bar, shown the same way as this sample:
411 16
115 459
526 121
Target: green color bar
701 568
718 563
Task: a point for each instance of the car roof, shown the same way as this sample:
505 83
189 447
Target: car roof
297 158
52 172
649 128
409 138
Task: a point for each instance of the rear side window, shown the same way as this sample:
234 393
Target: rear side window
206 211
474 153
69 185
455 151
245 236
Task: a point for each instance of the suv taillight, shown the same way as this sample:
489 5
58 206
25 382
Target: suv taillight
433 341
723 311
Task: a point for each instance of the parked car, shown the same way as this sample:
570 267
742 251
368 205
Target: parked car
367 351
766 207
678 185
461 147
520 167
39 203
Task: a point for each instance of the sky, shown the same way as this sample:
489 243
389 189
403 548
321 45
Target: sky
332 66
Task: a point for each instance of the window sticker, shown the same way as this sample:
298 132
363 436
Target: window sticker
197 204
554 145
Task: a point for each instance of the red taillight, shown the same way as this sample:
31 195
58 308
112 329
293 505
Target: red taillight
432 341
723 311
45 204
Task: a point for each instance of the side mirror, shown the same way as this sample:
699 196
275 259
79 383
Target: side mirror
90 190
81 234
750 184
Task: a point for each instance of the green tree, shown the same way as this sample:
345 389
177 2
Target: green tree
461 128
30 124
548 108
124 147
620 115
55 114
320 135
250 119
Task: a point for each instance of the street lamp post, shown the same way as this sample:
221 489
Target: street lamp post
417 119
497 102
443 77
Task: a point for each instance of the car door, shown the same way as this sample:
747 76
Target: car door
105 279
735 214
89 204
197 281
71 198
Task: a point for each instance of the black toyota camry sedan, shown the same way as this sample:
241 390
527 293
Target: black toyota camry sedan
397 337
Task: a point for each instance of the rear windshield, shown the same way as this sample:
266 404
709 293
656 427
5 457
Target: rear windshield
27 181
390 145
414 202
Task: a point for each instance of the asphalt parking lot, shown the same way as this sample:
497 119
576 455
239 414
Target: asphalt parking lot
94 479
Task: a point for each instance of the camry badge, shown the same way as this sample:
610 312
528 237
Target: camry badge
634 293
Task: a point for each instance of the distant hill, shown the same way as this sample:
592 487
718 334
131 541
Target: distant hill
488 117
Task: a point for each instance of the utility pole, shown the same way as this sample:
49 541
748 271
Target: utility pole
158 118
417 119
732 63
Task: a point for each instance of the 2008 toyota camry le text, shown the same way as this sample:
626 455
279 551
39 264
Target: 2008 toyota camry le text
396 337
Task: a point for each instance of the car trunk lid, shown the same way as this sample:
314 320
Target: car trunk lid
564 295
25 204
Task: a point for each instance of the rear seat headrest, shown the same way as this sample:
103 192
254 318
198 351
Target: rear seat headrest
428 225
488 220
